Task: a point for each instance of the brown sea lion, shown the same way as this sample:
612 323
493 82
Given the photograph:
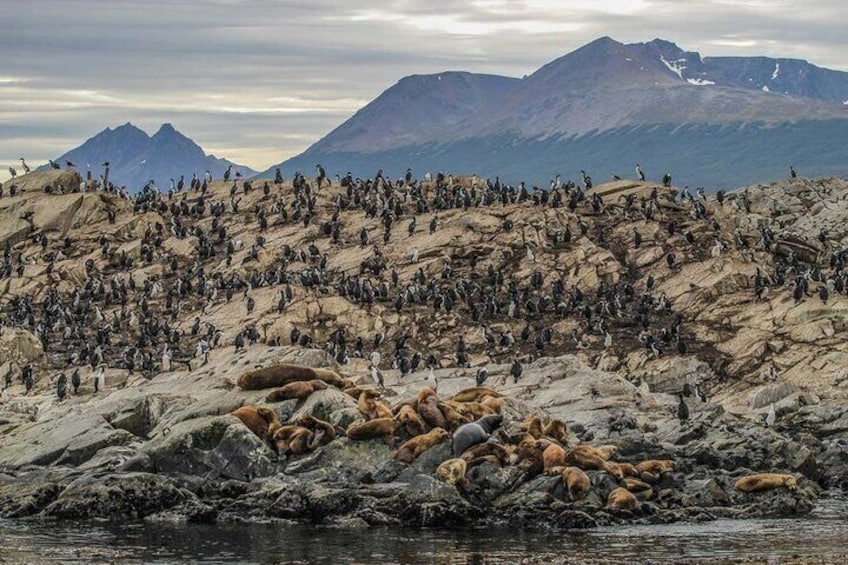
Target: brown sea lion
411 449
553 456
379 428
453 418
410 420
640 489
428 409
493 403
280 375
323 432
557 430
628 469
533 426
766 481
474 394
576 482
590 461
257 419
370 407
453 472
291 439
655 466
299 390
622 499
485 449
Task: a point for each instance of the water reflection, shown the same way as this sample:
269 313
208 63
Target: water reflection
822 534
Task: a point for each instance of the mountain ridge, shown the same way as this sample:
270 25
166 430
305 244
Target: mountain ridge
604 86
137 158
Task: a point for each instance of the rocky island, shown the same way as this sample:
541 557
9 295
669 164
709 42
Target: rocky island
311 351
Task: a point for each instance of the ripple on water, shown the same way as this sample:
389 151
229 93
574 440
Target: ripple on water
821 534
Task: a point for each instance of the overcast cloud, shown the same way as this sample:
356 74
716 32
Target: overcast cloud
258 81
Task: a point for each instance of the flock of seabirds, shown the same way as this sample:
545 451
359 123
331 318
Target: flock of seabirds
114 321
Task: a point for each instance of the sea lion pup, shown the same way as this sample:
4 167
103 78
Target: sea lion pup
622 499
379 428
292 440
257 419
428 409
766 481
640 489
553 456
409 419
604 452
453 472
279 375
479 431
485 450
474 394
323 432
371 408
299 390
410 450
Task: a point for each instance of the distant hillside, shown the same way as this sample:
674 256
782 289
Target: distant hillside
136 158
716 122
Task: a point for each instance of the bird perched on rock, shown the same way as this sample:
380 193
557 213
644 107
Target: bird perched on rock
682 410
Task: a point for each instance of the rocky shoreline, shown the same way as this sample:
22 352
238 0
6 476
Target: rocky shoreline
211 468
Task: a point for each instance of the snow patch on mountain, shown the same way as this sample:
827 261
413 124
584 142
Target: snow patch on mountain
676 66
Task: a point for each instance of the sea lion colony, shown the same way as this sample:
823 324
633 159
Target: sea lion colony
472 422
163 269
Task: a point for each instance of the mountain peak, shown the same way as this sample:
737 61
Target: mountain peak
166 129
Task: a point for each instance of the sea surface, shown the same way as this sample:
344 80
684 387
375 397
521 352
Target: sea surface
821 537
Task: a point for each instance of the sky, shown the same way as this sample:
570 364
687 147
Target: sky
258 81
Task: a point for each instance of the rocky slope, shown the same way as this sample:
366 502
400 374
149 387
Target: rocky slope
155 440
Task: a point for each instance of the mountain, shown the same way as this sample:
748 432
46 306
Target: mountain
136 158
713 121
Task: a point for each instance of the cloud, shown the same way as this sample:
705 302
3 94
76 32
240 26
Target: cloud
258 81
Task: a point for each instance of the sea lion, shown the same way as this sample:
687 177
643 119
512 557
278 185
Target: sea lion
428 409
291 439
298 390
628 469
655 466
411 449
378 428
257 419
453 472
489 448
640 489
591 461
370 407
490 459
766 481
323 432
474 394
468 435
557 430
604 452
533 426
553 456
409 419
279 375
453 418
576 482
622 499
529 458
493 403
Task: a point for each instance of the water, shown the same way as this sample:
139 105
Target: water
822 536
